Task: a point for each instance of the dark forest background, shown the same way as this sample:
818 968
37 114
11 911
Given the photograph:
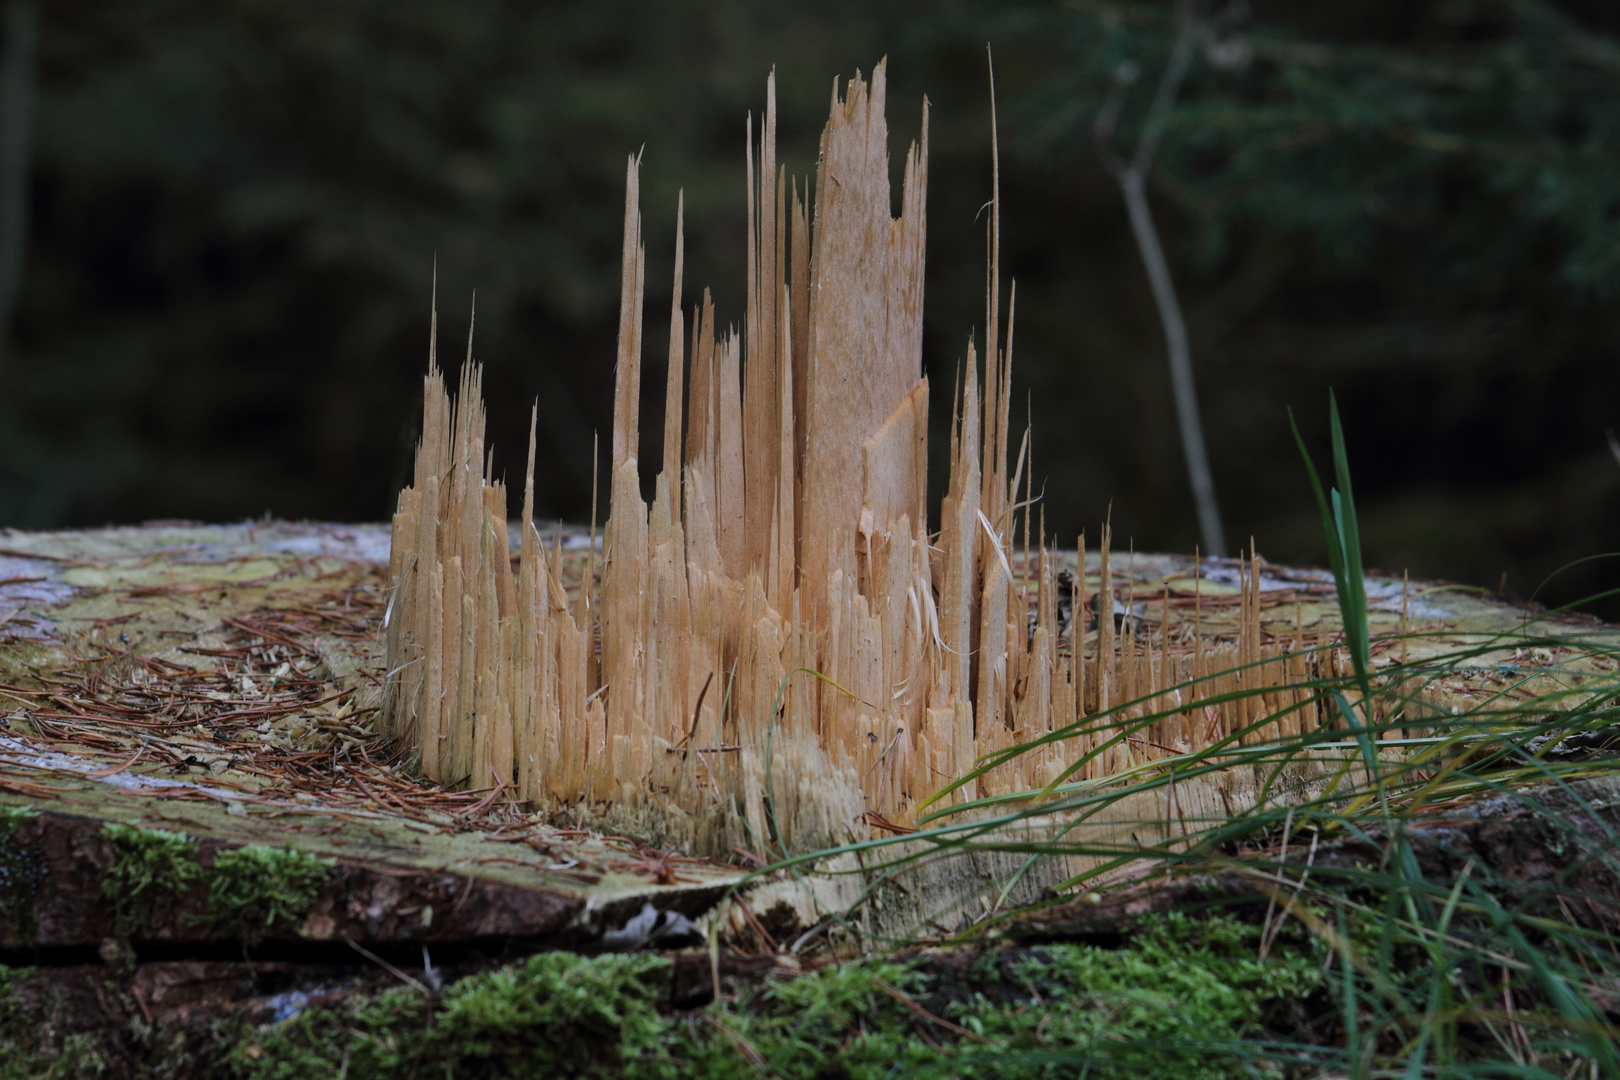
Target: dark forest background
235 210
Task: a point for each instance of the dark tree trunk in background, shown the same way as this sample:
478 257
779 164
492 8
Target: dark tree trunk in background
1132 176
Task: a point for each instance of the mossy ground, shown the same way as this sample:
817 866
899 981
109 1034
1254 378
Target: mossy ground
1183 998
32 1051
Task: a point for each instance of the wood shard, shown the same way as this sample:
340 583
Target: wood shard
777 652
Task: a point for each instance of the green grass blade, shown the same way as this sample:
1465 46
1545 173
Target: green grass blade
1329 530
1353 604
1570 1003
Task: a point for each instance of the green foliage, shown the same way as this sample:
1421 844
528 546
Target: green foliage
1176 1002
252 888
1414 202
150 869
22 870
1501 141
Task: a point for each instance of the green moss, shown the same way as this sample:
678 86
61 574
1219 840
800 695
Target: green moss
22 870
27 1049
556 1015
252 888
10 816
151 868
1186 998
559 1013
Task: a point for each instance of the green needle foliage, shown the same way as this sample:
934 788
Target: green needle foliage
1502 147
1423 196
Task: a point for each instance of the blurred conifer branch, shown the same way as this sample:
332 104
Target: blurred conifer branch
1504 144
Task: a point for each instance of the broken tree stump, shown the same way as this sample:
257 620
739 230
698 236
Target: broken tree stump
221 682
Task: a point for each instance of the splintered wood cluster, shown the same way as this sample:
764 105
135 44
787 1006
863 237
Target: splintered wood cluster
778 651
